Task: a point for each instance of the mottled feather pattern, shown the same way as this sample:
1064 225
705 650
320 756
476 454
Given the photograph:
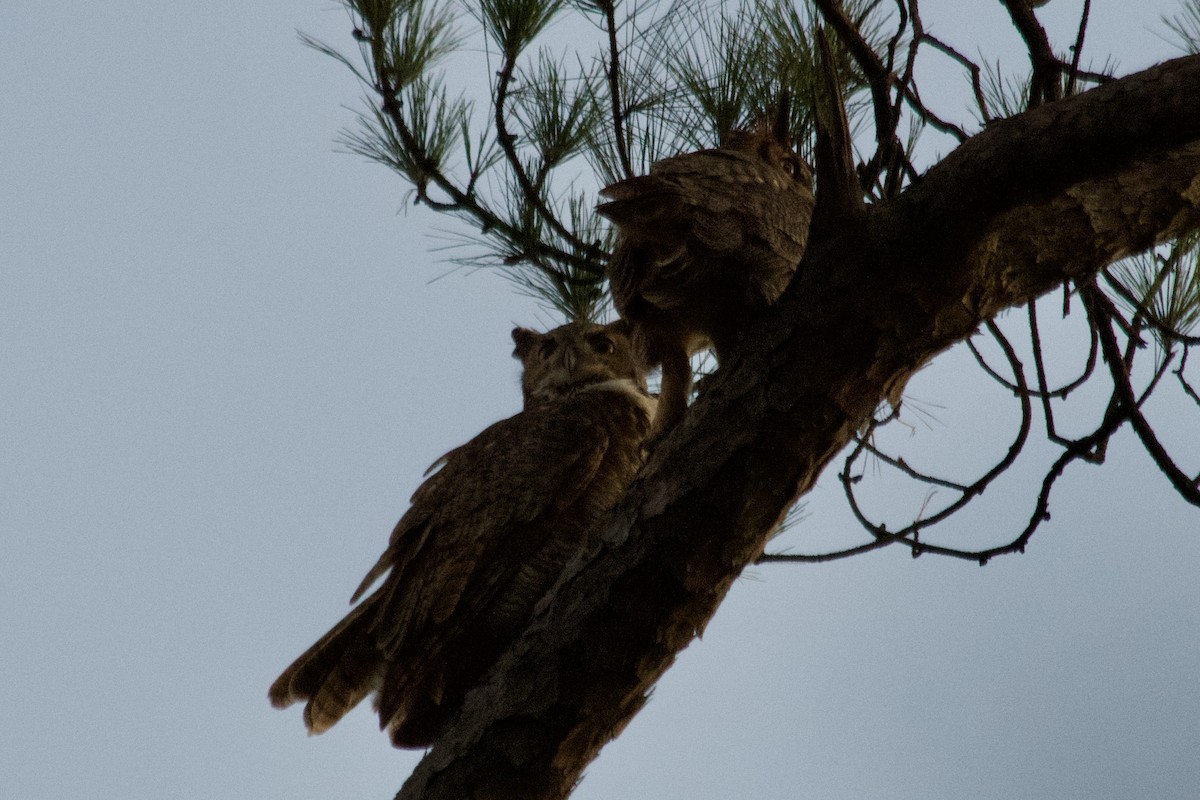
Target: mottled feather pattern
699 216
705 241
486 535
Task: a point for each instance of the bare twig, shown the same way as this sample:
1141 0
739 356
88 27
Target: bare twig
613 71
1077 50
1101 310
1045 84
1188 389
911 533
971 67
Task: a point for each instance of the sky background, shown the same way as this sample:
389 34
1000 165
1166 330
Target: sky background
227 354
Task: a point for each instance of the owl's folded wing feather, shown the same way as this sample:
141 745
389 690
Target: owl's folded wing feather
470 522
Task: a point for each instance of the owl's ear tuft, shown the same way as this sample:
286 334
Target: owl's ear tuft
525 339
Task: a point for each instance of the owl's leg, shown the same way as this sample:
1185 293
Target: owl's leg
676 386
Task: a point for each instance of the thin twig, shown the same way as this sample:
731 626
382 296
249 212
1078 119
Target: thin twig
613 71
971 67
532 194
1101 310
910 534
1045 84
1188 389
1078 49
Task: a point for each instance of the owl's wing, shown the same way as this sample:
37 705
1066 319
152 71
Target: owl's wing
655 215
735 199
470 523
645 208
697 210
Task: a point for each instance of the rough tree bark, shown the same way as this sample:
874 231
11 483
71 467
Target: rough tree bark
1050 196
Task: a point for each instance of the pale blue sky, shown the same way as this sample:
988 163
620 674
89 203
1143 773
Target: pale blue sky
225 363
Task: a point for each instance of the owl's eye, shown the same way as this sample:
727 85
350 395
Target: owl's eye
547 348
601 344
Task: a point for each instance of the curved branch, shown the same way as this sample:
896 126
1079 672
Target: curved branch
1058 393
910 534
1047 196
531 194
901 25
391 107
1102 311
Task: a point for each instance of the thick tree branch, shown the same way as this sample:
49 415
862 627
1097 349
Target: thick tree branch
1051 195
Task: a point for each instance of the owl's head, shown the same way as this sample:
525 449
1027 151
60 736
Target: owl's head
770 138
575 356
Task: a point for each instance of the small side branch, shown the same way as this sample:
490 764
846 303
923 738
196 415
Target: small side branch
1045 84
919 34
1101 311
1077 50
532 193
613 72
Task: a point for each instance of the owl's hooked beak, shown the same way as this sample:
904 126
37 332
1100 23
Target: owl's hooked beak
570 359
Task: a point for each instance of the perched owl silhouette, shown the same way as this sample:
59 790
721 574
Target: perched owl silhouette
705 241
485 538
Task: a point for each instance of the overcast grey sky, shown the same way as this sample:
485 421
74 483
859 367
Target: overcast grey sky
225 363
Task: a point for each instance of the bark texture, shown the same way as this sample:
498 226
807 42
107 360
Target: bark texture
1052 195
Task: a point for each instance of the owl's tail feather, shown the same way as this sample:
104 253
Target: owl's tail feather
418 724
333 675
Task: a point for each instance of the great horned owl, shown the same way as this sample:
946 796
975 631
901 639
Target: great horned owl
485 537
581 354
705 241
